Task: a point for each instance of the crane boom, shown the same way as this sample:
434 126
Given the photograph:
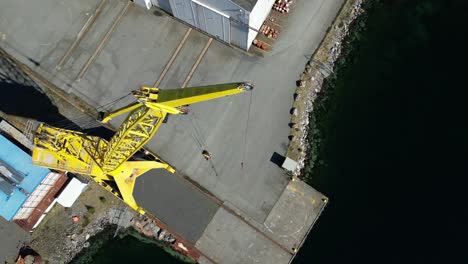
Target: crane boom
139 127
108 162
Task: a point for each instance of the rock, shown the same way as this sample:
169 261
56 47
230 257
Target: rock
87 236
29 259
138 225
168 238
296 96
171 239
161 235
301 83
147 232
156 230
181 246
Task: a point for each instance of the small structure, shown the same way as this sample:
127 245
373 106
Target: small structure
71 193
26 190
236 22
206 155
289 164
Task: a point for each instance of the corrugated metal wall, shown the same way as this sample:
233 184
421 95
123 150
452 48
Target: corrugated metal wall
9 178
222 19
6 187
212 22
183 10
219 18
163 4
10 174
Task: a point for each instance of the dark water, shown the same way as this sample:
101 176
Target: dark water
107 249
394 141
393 145
131 250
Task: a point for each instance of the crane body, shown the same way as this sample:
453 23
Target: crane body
108 162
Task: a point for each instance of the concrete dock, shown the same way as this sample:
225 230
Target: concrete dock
238 207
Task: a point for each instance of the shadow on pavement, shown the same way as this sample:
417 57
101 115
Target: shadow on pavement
22 97
277 159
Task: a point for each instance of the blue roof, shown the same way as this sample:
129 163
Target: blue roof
33 175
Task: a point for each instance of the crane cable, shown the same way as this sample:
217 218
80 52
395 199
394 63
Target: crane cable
198 131
103 107
65 122
244 152
84 117
198 136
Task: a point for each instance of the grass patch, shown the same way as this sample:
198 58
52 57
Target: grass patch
85 221
91 210
102 199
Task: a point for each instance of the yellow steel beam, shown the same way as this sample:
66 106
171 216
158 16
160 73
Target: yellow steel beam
133 134
108 116
68 150
187 96
126 175
108 161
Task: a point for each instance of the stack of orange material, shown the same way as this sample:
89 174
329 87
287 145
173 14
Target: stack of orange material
259 44
282 6
269 31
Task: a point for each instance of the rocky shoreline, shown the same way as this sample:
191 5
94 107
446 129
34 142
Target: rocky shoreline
119 217
74 234
309 85
125 221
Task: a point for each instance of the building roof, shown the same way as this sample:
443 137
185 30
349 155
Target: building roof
289 164
246 4
16 134
71 193
32 176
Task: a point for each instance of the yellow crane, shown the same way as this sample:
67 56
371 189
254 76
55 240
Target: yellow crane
107 162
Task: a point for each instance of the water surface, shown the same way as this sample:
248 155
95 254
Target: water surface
394 141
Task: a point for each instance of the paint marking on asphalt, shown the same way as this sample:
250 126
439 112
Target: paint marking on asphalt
174 56
87 26
195 65
103 41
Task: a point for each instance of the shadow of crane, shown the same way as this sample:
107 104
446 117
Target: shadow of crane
23 97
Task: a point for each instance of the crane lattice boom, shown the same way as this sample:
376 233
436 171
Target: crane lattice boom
108 161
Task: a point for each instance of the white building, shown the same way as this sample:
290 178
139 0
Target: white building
232 21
